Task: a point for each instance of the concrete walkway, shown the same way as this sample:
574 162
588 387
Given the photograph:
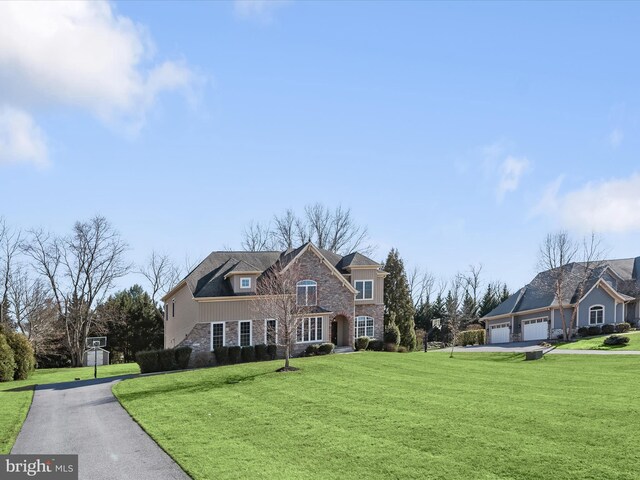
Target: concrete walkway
85 418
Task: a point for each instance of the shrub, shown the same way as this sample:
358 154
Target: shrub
616 340
475 326
390 347
222 355
608 329
594 330
201 359
7 360
235 353
182 355
22 354
261 352
392 333
402 349
167 360
272 351
471 337
148 361
312 349
375 345
326 348
249 353
583 331
623 327
362 343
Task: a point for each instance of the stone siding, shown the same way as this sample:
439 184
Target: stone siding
377 312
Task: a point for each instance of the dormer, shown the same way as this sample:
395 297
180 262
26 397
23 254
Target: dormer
242 278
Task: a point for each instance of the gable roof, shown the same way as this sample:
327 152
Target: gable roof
619 277
210 277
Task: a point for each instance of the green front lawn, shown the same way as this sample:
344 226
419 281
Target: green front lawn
15 397
387 415
595 343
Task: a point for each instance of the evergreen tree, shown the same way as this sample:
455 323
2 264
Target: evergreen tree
469 309
397 299
505 293
133 322
423 315
489 300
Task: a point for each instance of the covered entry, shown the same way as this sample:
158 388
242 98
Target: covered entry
340 331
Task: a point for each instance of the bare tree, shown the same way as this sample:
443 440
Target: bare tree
570 265
81 269
421 286
161 273
335 230
276 300
452 309
9 249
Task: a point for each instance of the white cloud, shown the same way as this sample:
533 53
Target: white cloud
606 206
21 141
82 55
511 170
262 10
615 137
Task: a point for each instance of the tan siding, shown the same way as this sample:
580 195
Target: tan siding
223 311
235 283
186 315
378 284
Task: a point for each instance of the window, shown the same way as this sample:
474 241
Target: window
365 289
596 315
244 333
310 330
217 335
364 327
166 312
271 332
173 307
245 282
307 293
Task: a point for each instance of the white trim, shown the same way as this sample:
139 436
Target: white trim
364 289
603 312
301 324
605 286
615 311
373 326
307 283
267 328
240 322
528 321
245 278
211 334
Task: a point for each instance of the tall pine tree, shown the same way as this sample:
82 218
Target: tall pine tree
397 299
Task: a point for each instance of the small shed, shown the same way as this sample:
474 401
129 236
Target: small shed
91 357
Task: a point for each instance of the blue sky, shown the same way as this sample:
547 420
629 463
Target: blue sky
460 133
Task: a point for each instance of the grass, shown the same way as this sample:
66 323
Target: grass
380 415
15 397
595 343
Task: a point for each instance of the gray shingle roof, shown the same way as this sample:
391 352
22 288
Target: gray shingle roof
540 293
207 279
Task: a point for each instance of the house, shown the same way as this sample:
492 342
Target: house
610 295
214 305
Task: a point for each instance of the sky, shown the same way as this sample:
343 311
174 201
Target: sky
459 133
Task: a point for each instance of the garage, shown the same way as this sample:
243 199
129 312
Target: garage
500 333
535 329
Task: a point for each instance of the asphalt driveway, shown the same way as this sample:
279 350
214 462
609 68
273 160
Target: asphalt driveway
85 418
514 347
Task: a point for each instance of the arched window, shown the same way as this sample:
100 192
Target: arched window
364 327
307 293
596 315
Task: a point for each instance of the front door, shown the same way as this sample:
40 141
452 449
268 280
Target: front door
334 332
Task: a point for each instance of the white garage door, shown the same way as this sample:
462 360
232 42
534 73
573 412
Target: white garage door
500 334
537 329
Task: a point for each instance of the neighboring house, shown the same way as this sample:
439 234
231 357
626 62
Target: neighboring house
611 295
212 306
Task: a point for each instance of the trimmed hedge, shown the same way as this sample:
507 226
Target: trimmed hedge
148 361
392 334
272 351
594 330
167 360
312 350
22 354
261 352
623 327
7 360
222 355
608 329
583 331
248 353
183 354
375 345
235 353
326 348
361 343
615 340
471 337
